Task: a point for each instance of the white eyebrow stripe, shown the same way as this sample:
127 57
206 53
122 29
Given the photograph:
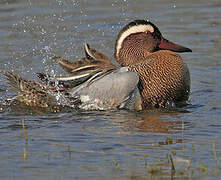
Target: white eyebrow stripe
132 30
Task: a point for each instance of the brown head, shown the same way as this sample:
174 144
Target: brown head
138 39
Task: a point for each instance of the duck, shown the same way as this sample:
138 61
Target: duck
164 76
150 74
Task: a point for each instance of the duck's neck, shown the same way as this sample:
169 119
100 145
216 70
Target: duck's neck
134 49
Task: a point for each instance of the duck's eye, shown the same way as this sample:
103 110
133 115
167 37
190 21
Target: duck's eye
148 32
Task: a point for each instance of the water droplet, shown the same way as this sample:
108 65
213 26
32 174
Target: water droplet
43 31
59 2
29 1
47 48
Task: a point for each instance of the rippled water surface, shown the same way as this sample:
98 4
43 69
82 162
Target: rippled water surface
117 144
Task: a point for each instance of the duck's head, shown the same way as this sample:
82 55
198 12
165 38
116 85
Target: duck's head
138 39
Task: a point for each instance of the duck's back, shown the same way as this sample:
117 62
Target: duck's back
164 79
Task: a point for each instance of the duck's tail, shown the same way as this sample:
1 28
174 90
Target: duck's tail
21 85
16 82
30 93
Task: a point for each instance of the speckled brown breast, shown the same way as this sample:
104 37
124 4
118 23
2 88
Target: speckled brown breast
164 78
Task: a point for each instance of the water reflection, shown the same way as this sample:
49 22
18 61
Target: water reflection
158 123
154 121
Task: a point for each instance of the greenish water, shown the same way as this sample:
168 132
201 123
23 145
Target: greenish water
116 144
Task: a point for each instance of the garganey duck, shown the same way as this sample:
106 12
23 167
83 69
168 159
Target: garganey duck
151 75
164 77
